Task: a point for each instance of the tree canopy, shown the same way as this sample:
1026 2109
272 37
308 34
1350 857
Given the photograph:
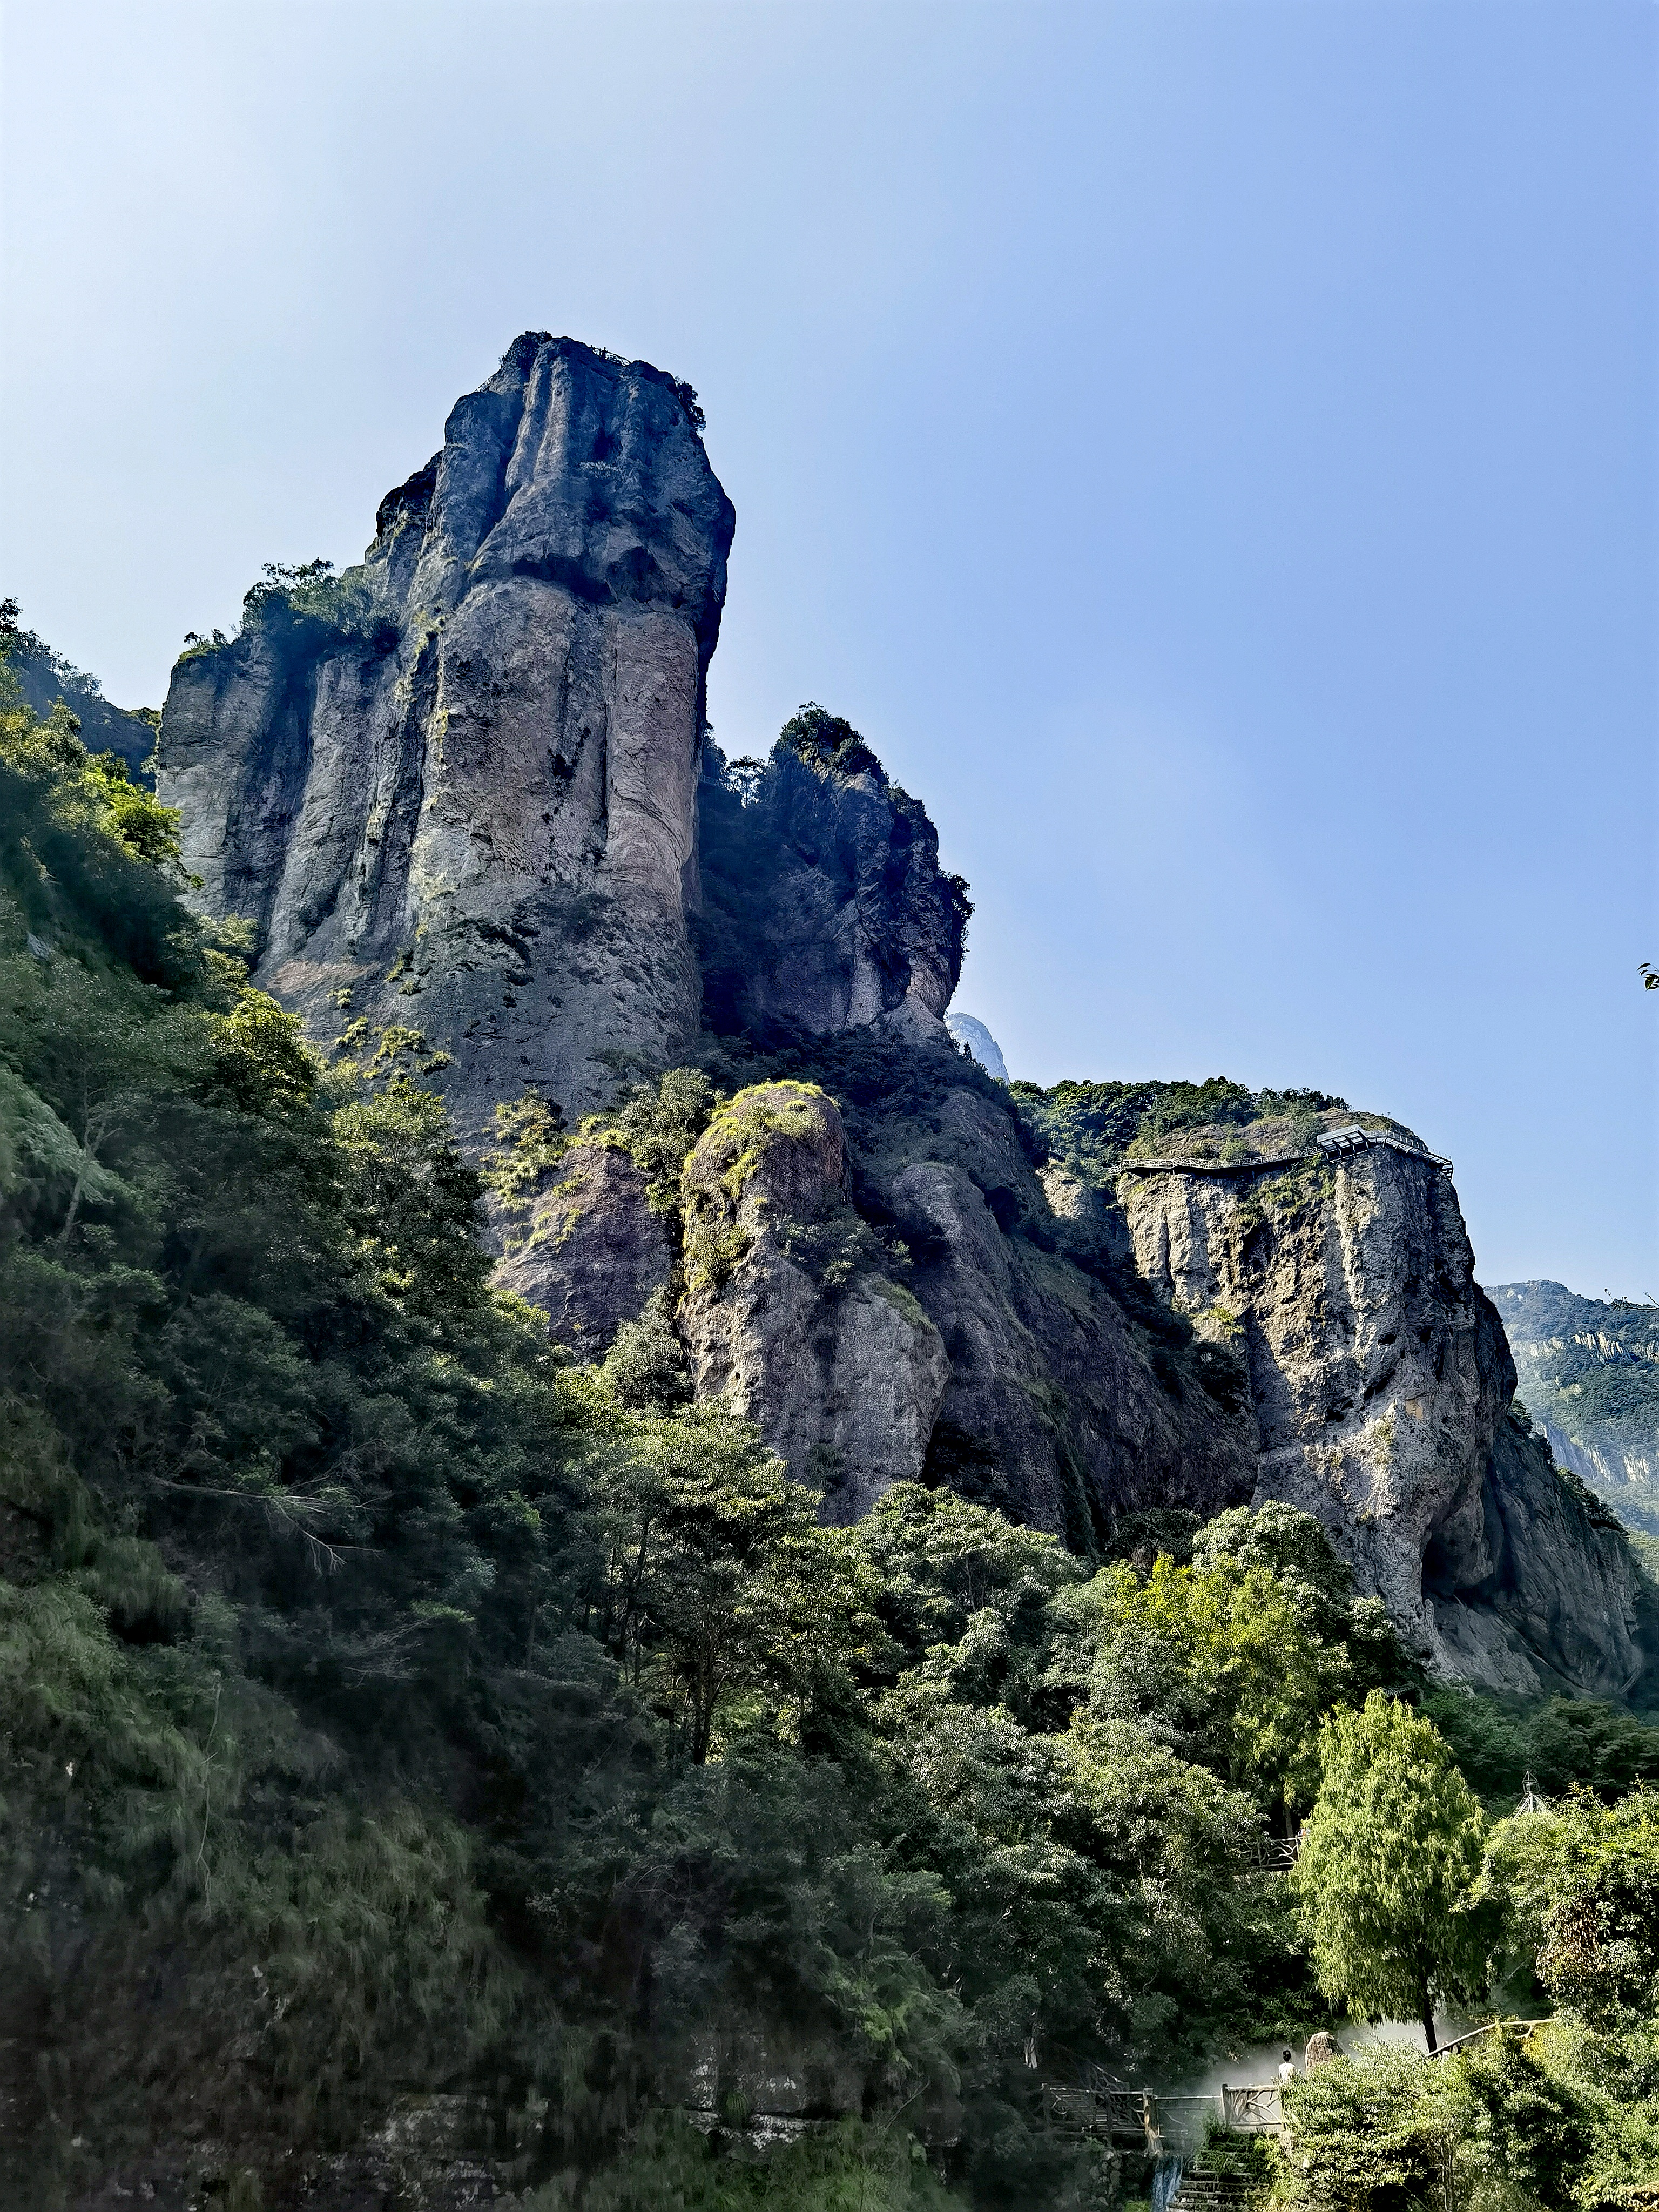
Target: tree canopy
1391 1857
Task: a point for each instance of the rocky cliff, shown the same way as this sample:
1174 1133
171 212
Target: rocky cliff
1588 1372
467 795
790 1314
823 904
1380 1384
938 1333
455 788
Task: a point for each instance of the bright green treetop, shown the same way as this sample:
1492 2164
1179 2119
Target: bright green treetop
1389 1859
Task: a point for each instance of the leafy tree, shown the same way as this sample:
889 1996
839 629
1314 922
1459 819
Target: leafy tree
1390 1856
1378 2133
1524 2125
1581 1885
720 1584
1489 2129
1234 1658
645 1365
960 1581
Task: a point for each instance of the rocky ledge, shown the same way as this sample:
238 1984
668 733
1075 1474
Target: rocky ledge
1381 1387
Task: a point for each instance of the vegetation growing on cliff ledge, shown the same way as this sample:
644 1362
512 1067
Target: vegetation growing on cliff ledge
1088 1126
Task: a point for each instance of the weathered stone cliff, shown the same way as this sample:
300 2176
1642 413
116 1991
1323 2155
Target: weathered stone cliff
971 1034
456 788
938 1330
789 1314
593 1251
467 794
1380 1384
823 904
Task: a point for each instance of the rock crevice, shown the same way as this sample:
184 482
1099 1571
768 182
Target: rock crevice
1381 1383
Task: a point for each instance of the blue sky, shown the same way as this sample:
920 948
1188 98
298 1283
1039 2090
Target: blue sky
1209 449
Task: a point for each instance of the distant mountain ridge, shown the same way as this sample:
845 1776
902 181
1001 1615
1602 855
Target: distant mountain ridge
45 677
1588 1372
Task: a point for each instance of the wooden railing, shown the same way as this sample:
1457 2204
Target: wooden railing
1144 2117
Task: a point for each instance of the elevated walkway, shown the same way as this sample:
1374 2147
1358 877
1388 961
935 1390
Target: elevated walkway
1149 2120
1337 1144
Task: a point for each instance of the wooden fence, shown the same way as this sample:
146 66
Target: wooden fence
1144 2118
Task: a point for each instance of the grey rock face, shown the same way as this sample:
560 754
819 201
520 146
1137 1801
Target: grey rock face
995 1366
594 1251
456 791
1055 1409
1380 1381
1562 1604
967 1030
823 904
785 1317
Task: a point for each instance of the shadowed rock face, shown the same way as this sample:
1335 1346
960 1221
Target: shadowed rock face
824 907
839 1367
461 786
995 1367
1381 1380
1057 1409
594 1251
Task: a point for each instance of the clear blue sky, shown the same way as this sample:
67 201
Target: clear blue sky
1209 449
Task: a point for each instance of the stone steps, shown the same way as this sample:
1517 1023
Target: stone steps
1202 2191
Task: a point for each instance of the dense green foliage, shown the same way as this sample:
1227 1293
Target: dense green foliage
450 1717
389 1707
1404 1885
1088 1126
1563 1744
46 678
1390 1857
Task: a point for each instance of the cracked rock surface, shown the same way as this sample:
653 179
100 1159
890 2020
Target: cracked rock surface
456 792
593 1251
1381 1382
785 1315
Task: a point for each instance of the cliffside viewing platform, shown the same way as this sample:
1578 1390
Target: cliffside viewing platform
1335 1144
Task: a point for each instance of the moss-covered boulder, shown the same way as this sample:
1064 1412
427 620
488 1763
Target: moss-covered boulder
790 1314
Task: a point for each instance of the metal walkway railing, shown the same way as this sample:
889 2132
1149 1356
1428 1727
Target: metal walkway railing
1339 1145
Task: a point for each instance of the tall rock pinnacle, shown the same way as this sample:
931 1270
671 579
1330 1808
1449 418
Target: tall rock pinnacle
455 789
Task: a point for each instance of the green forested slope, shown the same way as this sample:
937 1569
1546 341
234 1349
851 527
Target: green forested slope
1587 1369
389 1710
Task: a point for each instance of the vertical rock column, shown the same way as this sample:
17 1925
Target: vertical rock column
455 790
